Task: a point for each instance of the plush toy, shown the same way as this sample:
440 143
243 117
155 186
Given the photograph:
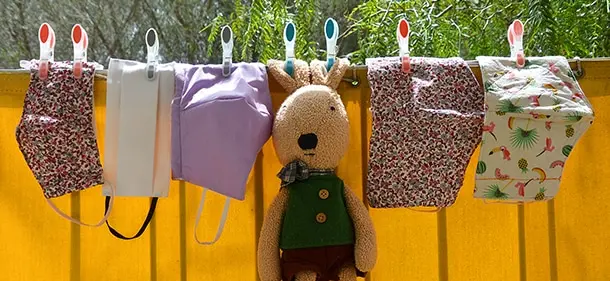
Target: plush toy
323 230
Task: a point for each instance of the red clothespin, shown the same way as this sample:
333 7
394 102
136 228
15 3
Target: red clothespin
515 38
46 37
79 41
402 35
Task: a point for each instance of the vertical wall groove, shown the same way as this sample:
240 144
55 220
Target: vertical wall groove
182 231
259 205
153 248
522 250
443 255
552 240
364 105
75 265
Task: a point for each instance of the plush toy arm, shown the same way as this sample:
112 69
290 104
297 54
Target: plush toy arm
268 254
366 241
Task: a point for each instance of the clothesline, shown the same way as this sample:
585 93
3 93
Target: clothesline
471 63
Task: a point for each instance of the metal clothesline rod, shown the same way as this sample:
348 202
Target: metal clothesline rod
471 63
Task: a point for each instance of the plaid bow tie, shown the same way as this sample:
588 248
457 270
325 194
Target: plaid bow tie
297 170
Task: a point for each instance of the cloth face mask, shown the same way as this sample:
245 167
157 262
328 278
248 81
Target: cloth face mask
535 115
137 139
57 134
219 124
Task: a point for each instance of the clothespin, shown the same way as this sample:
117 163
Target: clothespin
227 50
331 29
46 36
79 41
515 31
152 58
290 33
402 35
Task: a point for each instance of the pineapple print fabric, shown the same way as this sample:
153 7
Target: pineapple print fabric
426 125
534 116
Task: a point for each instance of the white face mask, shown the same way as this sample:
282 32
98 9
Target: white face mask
137 146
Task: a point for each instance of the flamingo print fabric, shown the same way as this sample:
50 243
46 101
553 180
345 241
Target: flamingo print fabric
425 126
534 117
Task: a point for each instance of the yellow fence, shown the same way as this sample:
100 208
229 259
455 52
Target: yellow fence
567 238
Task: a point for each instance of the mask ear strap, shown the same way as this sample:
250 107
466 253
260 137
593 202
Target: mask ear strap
104 219
223 219
435 210
149 216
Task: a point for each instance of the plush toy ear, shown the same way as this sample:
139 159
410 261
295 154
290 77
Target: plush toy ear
318 72
333 77
290 84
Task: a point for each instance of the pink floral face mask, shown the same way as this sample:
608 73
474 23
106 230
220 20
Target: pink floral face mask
56 134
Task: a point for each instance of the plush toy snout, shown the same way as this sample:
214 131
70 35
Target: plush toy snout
308 141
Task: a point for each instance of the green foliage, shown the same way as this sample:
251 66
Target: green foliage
189 30
438 28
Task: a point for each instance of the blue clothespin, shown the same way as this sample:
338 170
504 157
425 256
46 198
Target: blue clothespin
290 33
331 29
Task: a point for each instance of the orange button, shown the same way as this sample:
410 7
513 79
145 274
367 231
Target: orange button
321 217
323 193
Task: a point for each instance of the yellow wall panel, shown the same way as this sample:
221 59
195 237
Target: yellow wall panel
168 236
34 241
564 239
582 207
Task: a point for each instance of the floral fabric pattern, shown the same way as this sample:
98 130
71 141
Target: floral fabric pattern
425 126
534 117
56 134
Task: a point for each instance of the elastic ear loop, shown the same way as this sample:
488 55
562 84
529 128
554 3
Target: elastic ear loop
504 202
435 210
149 216
104 219
221 225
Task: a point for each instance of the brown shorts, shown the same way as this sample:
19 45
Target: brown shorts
325 261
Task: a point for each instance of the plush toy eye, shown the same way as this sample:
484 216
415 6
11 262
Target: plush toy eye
332 108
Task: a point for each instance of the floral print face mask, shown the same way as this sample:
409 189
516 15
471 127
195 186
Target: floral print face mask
426 125
56 134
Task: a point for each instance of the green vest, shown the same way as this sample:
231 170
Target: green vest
316 214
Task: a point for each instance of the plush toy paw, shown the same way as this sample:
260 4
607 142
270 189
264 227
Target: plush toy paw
365 254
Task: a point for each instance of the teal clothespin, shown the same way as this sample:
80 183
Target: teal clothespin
290 33
331 29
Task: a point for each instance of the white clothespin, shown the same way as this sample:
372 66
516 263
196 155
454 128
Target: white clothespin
227 50
46 36
152 58
516 32
290 33
402 35
79 41
331 29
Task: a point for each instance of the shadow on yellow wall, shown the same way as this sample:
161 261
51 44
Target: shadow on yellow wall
567 238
